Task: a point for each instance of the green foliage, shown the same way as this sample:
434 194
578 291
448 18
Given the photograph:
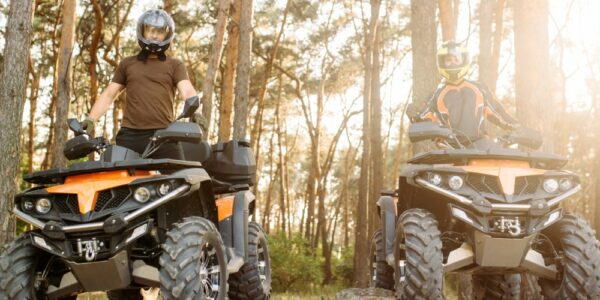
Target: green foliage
293 268
343 267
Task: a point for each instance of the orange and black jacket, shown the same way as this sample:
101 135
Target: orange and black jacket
464 107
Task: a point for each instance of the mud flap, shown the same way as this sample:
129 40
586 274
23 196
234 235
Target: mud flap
234 230
388 211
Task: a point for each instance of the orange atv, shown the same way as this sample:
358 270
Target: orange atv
126 222
488 210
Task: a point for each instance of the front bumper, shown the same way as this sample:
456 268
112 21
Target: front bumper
483 206
55 229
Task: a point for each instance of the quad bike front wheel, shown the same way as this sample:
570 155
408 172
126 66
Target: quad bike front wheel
193 264
418 267
253 280
20 271
575 239
497 287
382 275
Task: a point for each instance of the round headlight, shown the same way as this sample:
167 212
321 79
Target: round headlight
28 205
455 182
550 185
565 184
164 188
43 205
141 194
435 178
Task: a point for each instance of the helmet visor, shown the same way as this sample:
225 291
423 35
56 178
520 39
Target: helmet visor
155 27
452 60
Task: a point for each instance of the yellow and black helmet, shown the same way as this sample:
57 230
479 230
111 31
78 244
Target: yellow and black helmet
453 61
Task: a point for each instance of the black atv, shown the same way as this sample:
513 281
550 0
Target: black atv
488 210
127 222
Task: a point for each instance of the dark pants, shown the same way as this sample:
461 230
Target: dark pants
138 139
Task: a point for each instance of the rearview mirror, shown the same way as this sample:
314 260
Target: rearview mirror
75 126
427 130
191 105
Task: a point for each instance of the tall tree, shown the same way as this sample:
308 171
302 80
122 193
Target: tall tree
242 80
531 66
63 93
13 82
424 68
376 176
34 88
96 37
449 18
362 223
213 63
491 14
228 78
255 134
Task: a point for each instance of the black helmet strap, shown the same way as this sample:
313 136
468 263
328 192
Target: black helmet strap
144 53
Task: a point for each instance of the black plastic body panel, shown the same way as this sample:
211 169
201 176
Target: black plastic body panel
461 156
57 175
232 162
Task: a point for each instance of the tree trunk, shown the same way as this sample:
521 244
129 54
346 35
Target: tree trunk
52 108
94 54
227 82
255 135
33 95
242 81
213 64
376 177
448 18
423 41
311 185
362 216
531 67
13 83
268 206
63 97
169 6
281 157
490 12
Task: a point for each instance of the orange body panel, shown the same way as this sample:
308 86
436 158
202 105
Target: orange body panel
507 171
225 207
87 186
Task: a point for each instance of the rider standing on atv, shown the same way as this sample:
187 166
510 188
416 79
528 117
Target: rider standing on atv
462 104
150 78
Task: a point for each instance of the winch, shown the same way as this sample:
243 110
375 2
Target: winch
89 249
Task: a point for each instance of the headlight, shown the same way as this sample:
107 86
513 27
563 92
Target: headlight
435 179
550 185
142 194
565 184
164 188
28 205
43 205
455 182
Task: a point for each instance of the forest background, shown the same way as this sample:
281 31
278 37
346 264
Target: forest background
319 88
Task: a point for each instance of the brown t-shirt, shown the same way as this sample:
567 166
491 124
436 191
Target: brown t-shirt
150 90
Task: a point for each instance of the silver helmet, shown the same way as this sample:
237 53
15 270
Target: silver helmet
159 28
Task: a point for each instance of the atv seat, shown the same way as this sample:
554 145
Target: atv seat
199 152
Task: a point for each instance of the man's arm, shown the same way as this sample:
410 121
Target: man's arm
186 89
429 112
105 100
495 112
